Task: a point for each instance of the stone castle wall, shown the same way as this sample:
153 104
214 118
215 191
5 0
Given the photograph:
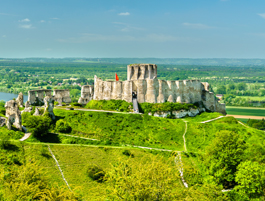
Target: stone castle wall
87 94
142 79
59 95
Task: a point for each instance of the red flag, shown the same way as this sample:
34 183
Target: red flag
117 78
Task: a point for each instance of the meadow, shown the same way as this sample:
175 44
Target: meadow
245 111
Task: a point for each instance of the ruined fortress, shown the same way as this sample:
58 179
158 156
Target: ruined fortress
142 80
59 95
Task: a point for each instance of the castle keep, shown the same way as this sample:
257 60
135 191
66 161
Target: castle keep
142 80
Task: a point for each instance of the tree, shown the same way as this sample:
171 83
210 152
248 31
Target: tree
242 86
223 156
155 180
251 179
221 90
37 125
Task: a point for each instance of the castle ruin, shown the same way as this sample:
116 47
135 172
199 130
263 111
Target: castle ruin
142 80
60 95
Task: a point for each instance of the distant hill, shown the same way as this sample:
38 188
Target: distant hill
177 61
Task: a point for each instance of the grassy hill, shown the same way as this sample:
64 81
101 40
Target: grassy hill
112 151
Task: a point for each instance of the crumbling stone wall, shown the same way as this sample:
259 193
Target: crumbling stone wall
49 105
62 95
20 100
38 95
142 79
13 114
87 93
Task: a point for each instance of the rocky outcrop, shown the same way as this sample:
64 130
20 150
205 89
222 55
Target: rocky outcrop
87 93
13 114
37 112
49 105
20 100
180 113
2 121
27 104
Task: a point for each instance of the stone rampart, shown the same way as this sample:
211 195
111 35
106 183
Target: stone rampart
87 93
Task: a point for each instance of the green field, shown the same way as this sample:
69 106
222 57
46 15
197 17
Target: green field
245 111
253 98
243 120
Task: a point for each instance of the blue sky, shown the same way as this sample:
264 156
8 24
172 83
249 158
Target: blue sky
132 28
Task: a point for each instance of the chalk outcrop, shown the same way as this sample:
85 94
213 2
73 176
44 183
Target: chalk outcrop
37 112
2 121
13 114
142 80
20 100
87 93
49 105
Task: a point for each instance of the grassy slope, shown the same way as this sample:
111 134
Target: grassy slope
74 160
120 129
200 135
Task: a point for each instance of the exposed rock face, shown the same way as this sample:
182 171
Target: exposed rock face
37 112
87 93
180 114
27 104
28 109
13 114
62 95
20 100
142 79
34 95
49 105
2 121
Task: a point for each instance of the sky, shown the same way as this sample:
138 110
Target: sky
132 28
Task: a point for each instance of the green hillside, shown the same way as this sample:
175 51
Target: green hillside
137 154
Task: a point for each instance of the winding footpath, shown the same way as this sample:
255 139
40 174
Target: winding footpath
58 165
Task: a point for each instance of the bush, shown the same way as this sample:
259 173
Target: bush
96 173
2 110
4 141
127 152
115 105
37 125
63 126
164 107
76 104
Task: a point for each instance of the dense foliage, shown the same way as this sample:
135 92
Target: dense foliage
114 105
258 124
37 125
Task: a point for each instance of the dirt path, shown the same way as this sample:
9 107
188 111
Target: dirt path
212 120
58 165
246 117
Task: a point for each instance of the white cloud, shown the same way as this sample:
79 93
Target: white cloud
54 18
48 49
26 26
4 36
42 21
25 20
124 14
262 15
197 26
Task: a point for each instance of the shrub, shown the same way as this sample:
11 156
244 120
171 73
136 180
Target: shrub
4 141
37 125
2 110
127 152
116 105
63 126
95 172
76 104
